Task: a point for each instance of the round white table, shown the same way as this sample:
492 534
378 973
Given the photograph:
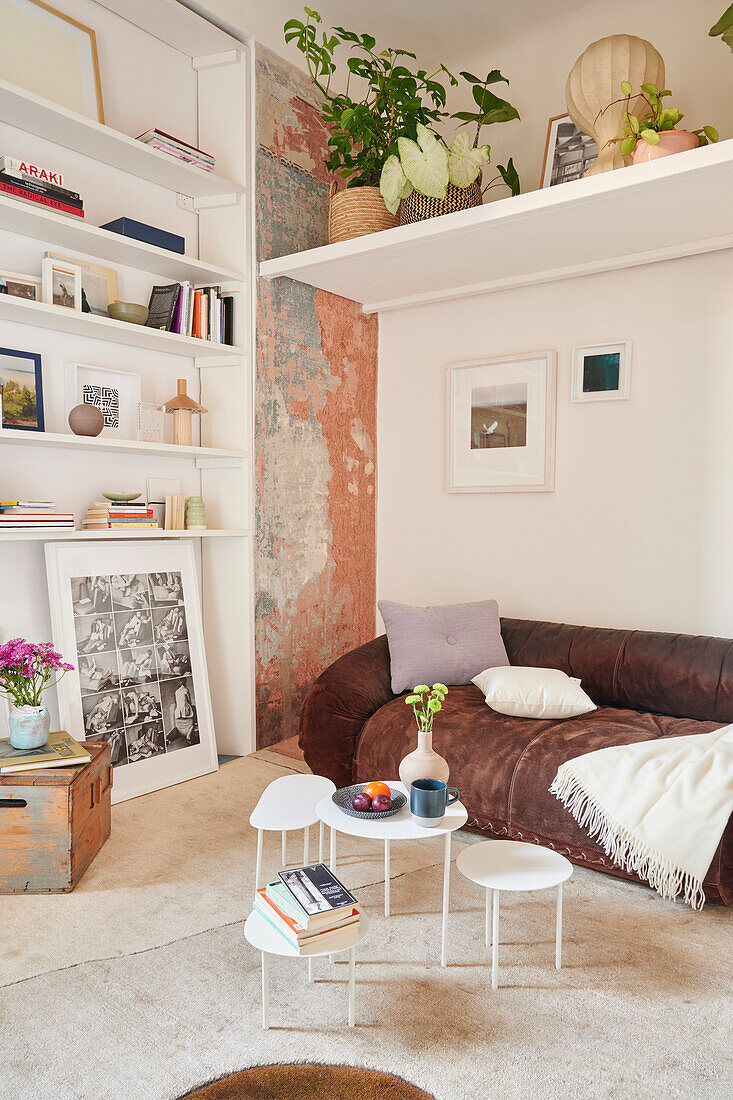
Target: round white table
511 865
268 941
290 803
398 827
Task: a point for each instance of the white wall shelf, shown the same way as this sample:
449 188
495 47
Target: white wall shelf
69 232
676 206
92 139
140 533
40 315
116 446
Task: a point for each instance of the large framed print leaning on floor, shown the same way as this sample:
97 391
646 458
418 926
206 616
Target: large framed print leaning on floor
127 616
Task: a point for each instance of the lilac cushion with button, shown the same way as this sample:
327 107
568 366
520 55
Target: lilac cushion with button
448 645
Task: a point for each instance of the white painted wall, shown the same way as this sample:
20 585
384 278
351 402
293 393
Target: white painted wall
639 530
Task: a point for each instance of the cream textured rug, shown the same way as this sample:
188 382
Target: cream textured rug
140 984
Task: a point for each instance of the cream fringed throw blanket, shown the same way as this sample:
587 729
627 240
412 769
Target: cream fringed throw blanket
658 808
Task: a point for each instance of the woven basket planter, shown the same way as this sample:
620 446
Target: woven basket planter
356 212
418 207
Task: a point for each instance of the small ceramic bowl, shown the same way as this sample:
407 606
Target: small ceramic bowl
131 312
120 498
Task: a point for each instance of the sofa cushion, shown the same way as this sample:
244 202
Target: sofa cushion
533 692
448 644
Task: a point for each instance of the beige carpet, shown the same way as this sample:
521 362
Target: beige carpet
140 984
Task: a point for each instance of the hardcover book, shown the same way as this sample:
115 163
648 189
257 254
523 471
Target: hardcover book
316 889
60 751
162 305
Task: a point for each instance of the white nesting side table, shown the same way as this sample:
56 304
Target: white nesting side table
511 865
268 941
290 803
398 827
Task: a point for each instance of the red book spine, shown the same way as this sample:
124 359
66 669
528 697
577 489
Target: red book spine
42 200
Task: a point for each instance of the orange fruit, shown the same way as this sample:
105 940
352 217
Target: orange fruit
373 789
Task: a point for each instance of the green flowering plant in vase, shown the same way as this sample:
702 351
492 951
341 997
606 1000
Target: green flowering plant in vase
655 120
426 703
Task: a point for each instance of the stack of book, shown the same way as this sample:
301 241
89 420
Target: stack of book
30 182
60 751
309 907
33 515
202 311
104 516
176 147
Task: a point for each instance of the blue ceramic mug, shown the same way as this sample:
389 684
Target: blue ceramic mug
428 801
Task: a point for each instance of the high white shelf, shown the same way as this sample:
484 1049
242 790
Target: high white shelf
72 321
676 206
92 139
113 536
17 438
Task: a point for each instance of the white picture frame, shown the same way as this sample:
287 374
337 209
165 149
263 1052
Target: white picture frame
115 392
569 152
601 372
158 488
99 284
151 423
27 287
500 424
127 615
57 278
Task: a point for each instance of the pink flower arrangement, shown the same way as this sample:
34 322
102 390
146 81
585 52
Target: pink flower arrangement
26 669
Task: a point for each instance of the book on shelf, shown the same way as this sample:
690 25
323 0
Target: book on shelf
19 191
32 505
203 312
103 516
175 512
162 305
45 189
60 751
178 148
17 166
28 515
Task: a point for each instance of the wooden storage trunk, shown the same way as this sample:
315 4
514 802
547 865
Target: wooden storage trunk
53 823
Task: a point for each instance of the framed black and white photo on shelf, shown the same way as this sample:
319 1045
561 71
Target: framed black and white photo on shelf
21 391
500 424
20 286
115 392
98 283
61 283
602 372
569 153
130 614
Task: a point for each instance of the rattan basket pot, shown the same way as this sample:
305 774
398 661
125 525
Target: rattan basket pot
356 212
418 207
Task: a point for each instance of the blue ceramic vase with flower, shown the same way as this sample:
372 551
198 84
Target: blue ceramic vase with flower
26 670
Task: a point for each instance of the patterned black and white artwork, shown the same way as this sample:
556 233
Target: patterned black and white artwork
105 398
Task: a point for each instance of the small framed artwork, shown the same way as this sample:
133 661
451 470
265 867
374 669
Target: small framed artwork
99 284
500 424
151 423
602 372
61 283
20 286
21 390
158 488
115 392
568 152
49 53
129 613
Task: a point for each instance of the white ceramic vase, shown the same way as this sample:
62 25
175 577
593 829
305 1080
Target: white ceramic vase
595 82
423 762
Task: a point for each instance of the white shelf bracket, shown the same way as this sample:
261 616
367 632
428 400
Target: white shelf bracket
210 202
218 361
216 60
218 463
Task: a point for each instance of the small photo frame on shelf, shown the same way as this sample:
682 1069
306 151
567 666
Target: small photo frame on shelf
569 153
151 423
158 488
20 286
500 424
61 283
21 390
602 372
98 283
115 392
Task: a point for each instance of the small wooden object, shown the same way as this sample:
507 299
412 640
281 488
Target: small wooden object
53 823
183 407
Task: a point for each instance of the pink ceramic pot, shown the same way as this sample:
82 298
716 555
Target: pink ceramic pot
671 141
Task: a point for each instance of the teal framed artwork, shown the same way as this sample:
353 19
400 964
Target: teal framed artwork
602 372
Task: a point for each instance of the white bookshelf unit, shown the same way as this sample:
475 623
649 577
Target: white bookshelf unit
160 65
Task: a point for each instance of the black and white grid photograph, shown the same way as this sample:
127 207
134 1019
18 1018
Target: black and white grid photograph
134 664
569 153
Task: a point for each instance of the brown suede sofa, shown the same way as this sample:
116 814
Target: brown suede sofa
645 685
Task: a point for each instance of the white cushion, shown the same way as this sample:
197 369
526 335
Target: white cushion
533 692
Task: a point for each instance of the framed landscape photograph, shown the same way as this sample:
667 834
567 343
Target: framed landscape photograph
500 424
21 390
602 372
127 616
115 392
568 152
20 286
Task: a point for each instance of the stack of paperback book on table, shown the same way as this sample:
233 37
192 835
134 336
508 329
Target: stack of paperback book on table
33 515
32 183
176 147
192 311
103 515
309 907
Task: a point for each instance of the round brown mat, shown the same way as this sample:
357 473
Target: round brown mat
296 1082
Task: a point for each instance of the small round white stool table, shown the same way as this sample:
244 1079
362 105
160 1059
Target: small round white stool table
290 803
268 941
398 827
511 865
